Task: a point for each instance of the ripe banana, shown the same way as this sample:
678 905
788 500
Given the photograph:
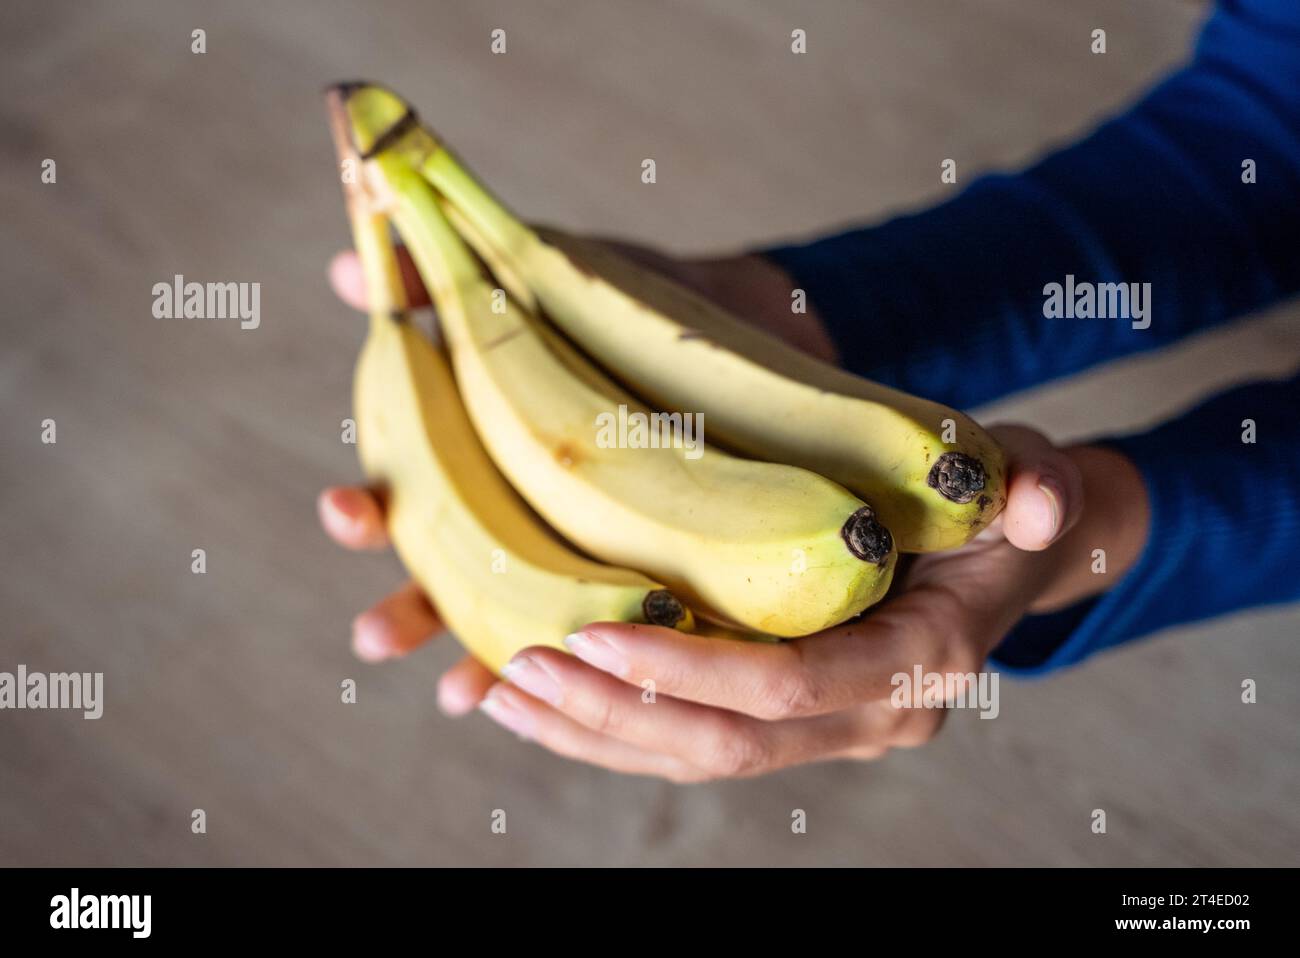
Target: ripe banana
935 477
772 548
499 577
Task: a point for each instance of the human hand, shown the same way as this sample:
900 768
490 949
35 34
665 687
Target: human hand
725 708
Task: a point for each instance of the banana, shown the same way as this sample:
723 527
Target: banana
771 548
767 400
935 477
499 577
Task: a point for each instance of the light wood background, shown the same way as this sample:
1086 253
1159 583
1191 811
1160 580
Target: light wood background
223 689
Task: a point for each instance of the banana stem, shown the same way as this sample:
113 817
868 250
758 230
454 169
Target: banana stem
404 163
370 230
446 264
374 244
490 217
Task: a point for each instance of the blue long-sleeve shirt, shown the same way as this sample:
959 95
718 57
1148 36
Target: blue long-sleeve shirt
949 303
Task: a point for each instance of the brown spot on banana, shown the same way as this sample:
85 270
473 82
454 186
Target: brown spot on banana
567 454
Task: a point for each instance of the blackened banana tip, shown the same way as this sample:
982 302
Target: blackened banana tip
661 607
345 88
866 537
957 477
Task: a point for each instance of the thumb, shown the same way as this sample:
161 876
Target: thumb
1044 489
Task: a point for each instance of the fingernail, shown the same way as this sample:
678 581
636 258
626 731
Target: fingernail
597 651
347 506
452 706
506 713
368 642
534 678
1049 489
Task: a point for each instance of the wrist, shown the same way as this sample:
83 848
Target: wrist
1108 539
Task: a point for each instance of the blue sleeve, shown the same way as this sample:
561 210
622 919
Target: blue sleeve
1224 529
949 303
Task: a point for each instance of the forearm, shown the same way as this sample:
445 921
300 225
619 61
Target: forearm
1109 538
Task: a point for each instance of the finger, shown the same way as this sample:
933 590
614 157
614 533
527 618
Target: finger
822 673
395 625
536 721
1044 491
349 282
879 720
720 743
886 727
352 517
910 727
859 753
462 687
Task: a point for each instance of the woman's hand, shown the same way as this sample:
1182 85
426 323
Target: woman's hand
654 701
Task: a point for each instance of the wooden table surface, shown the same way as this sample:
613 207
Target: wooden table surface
222 689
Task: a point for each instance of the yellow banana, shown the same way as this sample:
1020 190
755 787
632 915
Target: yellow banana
772 548
499 577
935 477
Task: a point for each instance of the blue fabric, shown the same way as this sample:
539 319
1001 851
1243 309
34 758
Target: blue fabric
949 303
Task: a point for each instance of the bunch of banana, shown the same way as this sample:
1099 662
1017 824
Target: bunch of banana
500 578
776 544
